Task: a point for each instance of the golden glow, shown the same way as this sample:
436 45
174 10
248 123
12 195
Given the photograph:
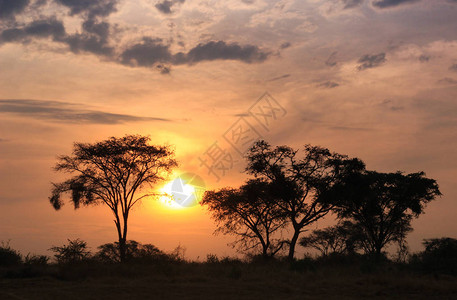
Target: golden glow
184 191
167 199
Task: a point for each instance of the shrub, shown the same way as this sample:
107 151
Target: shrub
75 251
212 258
36 260
9 256
135 252
440 255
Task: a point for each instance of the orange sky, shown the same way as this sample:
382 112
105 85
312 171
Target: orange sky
372 79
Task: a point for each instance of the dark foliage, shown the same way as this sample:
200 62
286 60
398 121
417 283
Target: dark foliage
439 256
299 179
343 238
382 205
112 172
74 252
9 256
251 214
135 252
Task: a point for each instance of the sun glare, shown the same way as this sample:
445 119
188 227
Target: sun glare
184 191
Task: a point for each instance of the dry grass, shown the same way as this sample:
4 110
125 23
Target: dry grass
274 280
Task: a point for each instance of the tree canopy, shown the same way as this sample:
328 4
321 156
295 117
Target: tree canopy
298 179
112 172
382 205
249 212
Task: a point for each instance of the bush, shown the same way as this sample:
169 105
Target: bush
440 255
212 259
75 251
9 256
303 265
36 260
135 252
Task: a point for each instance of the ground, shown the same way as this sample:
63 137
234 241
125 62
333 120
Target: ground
229 281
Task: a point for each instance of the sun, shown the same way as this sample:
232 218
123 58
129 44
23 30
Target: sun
184 191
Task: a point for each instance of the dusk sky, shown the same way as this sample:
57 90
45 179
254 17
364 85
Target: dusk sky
373 79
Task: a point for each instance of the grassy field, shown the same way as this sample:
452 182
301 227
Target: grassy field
275 280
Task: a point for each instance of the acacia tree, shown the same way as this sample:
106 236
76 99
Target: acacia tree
382 205
250 213
112 172
299 178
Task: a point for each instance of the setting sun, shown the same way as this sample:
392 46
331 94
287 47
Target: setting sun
184 191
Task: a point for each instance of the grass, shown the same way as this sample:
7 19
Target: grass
230 280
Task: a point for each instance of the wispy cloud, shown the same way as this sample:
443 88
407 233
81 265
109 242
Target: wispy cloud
448 80
279 77
371 61
351 3
328 85
347 128
392 3
67 112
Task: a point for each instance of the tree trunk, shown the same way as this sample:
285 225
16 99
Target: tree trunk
378 253
123 241
122 252
293 242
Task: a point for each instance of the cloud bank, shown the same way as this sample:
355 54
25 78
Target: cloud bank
64 112
97 36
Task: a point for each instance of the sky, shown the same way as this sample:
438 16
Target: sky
373 79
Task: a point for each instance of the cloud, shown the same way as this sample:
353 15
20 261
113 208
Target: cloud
9 8
448 80
95 34
165 6
351 3
391 3
391 105
147 53
66 112
93 39
279 77
88 43
454 66
90 8
371 61
331 60
37 29
221 50
328 85
347 128
285 45
424 58
153 52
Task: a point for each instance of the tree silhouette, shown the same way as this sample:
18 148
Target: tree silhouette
299 178
249 212
74 252
112 172
382 205
342 238
134 252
